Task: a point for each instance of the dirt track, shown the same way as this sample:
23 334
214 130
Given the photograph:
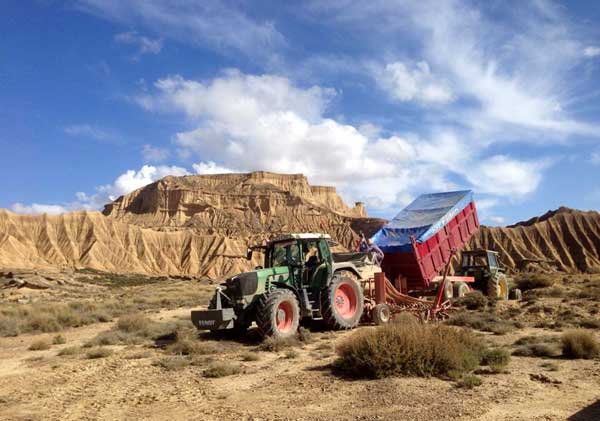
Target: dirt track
42 385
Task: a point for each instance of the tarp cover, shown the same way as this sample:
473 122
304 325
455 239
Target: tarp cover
425 216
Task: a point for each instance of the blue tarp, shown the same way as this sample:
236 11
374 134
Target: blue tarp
425 216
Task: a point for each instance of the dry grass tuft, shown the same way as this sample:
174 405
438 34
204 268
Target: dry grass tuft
59 340
486 322
496 359
271 344
70 350
409 349
99 352
39 345
530 280
469 381
472 301
172 362
221 369
580 343
537 346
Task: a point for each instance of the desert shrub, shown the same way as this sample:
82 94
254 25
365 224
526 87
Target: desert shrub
469 381
537 346
134 323
472 301
99 352
530 280
187 346
221 369
172 362
59 340
409 349
250 356
39 345
271 344
9 327
70 350
580 343
487 322
304 335
291 354
497 359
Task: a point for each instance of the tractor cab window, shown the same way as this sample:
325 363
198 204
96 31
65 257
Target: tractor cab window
312 255
285 253
492 260
469 260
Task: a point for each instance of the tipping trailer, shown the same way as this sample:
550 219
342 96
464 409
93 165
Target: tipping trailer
420 241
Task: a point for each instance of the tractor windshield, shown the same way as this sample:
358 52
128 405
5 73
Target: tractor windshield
285 253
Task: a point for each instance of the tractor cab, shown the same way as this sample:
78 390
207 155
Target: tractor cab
484 266
307 256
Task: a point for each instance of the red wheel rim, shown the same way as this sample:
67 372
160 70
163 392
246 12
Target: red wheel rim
345 301
284 317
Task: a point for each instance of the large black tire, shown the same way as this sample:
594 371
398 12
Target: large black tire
497 287
461 289
342 303
278 314
381 314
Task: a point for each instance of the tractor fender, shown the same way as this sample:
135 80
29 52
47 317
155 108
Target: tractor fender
337 268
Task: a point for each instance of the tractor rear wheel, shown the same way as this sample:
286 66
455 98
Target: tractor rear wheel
381 314
497 287
278 314
342 303
461 289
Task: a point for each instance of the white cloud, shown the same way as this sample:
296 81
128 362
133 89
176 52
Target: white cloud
265 122
36 208
496 219
123 184
210 168
89 131
144 44
154 154
412 83
591 51
210 23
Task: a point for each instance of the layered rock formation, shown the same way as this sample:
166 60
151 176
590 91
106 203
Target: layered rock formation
565 239
193 225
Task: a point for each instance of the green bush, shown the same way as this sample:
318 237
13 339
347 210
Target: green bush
469 381
497 359
580 343
409 349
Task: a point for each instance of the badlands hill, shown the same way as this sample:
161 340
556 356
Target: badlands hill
193 225
565 240
201 226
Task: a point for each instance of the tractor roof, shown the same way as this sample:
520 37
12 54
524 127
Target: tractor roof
301 236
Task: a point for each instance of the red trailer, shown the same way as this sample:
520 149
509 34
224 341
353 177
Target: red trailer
421 240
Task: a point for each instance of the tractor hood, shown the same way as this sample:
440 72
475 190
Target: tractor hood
250 283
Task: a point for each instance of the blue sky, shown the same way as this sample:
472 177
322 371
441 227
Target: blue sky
383 99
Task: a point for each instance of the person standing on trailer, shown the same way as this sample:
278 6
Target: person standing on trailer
373 248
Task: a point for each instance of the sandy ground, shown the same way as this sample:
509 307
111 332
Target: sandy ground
42 385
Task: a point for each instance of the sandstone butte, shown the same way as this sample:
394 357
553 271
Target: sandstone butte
201 225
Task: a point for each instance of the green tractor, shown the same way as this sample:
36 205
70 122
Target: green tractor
489 275
301 279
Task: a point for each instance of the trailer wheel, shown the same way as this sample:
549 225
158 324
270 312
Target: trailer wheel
381 314
497 287
461 289
278 314
342 303
448 290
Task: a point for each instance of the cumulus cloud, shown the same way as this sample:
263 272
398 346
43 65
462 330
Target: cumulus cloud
36 208
154 154
143 44
123 184
249 122
591 51
210 167
412 83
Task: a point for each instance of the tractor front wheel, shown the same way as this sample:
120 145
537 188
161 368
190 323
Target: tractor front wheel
278 314
342 303
381 314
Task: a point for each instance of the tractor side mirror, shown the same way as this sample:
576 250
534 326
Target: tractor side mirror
249 254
